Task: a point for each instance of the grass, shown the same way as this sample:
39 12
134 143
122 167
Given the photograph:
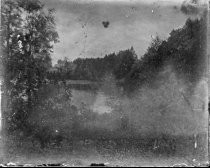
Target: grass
112 152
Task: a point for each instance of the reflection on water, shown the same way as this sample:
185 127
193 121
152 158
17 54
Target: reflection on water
100 105
94 100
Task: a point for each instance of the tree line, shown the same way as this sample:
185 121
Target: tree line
94 69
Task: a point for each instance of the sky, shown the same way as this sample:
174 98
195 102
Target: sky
131 23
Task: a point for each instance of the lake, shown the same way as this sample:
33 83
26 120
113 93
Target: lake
92 99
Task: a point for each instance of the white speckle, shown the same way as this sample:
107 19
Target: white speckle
11 164
195 145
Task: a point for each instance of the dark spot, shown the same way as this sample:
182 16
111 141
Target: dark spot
105 23
97 164
51 165
175 7
55 165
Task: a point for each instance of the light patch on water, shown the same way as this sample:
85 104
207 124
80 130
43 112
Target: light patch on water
100 105
96 101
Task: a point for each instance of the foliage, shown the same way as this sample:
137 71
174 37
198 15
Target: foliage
126 59
95 68
185 50
27 35
54 109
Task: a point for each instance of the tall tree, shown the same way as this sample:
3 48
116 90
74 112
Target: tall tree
10 56
29 33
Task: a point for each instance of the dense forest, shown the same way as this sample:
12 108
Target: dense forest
37 106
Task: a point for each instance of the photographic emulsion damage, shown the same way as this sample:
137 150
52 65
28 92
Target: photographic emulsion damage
104 83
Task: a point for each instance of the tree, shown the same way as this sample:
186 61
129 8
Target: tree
29 33
185 50
188 49
10 57
126 60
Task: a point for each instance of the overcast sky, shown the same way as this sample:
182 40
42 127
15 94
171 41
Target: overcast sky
131 23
